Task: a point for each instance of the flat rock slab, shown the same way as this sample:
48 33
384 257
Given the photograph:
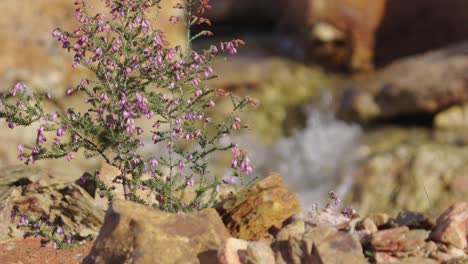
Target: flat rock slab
135 233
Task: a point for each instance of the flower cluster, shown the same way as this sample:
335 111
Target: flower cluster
139 78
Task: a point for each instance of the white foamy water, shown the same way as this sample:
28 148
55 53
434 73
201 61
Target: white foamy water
313 161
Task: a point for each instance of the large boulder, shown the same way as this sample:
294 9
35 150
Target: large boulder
358 32
135 233
416 86
264 206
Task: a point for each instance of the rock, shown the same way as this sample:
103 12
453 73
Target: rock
368 225
416 85
232 251
397 172
455 117
35 192
319 244
379 219
260 253
238 251
452 226
328 31
399 239
328 217
251 213
135 233
413 220
416 260
357 33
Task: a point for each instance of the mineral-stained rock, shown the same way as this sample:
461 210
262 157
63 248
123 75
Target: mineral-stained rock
416 85
452 226
134 233
35 192
251 213
399 239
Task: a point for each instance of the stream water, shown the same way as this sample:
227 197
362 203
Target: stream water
315 160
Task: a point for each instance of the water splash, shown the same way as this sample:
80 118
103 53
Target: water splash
315 160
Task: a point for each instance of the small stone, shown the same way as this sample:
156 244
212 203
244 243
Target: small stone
379 219
399 239
228 252
452 226
384 257
367 224
260 253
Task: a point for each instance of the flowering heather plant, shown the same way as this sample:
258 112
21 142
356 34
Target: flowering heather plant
139 76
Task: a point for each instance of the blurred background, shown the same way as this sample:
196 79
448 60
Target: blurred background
364 97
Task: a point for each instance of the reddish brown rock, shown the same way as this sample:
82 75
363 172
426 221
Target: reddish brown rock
238 251
452 226
399 239
251 213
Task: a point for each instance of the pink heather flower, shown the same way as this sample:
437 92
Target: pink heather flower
24 220
103 97
245 166
69 157
181 165
196 81
48 95
53 116
177 77
130 125
57 141
212 103
98 52
11 124
19 87
153 163
217 188
70 91
191 182
59 230
40 136
155 138
198 93
139 131
20 148
236 124
208 71
60 132
234 163
144 23
54 245
68 240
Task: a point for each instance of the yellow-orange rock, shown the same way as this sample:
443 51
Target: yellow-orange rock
251 213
